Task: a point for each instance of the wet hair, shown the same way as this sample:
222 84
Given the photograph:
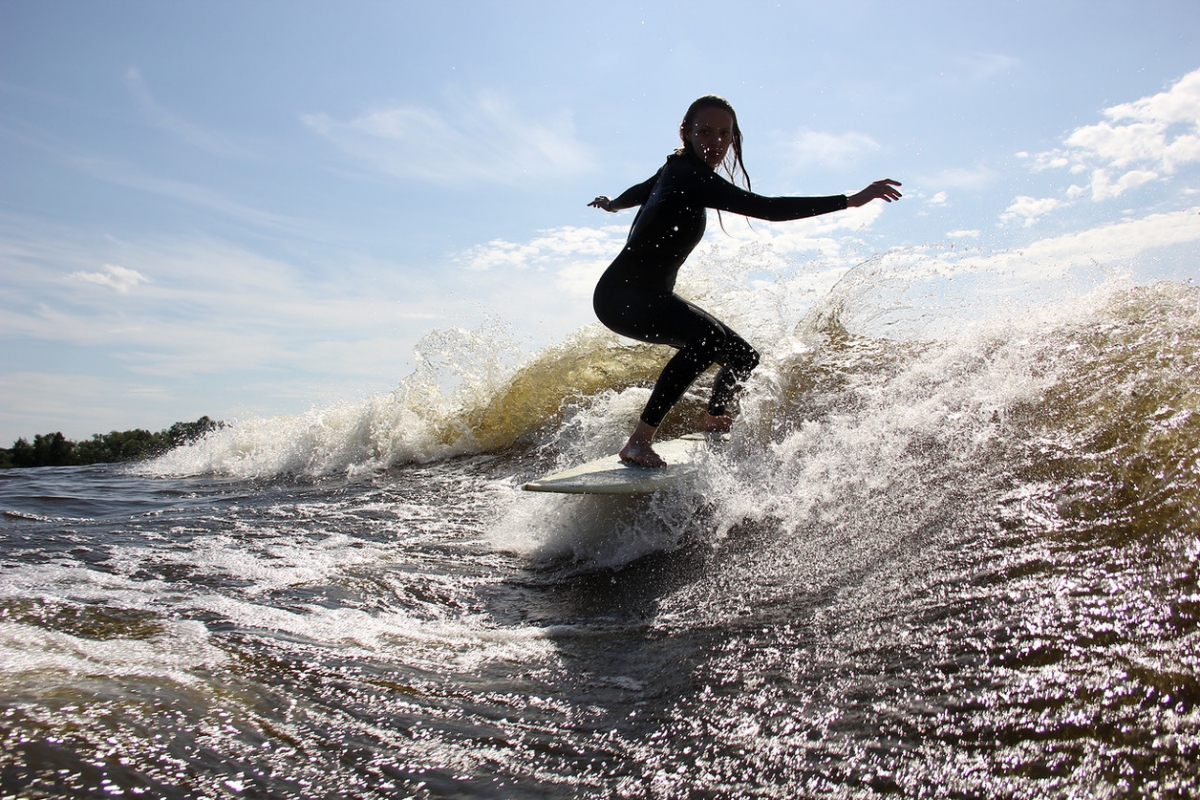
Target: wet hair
716 101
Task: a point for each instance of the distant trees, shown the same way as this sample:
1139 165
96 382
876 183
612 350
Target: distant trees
55 450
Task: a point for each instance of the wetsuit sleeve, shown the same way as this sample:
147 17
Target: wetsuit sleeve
704 187
724 196
636 195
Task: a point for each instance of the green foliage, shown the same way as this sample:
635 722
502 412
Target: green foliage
55 450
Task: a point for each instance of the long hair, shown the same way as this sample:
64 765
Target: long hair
732 165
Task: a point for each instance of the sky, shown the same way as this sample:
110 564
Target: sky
242 209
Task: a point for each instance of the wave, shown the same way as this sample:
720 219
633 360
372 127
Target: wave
1114 440
1085 405
462 399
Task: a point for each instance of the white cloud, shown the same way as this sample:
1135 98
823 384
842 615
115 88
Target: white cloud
1103 188
1139 142
549 246
120 279
1029 209
575 256
1180 103
829 150
480 139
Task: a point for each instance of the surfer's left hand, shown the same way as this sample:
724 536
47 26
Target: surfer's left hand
879 190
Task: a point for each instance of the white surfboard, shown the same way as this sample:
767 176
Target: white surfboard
610 475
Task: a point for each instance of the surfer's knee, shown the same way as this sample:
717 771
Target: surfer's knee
752 359
741 358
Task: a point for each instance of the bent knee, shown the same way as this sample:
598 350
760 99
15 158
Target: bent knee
743 359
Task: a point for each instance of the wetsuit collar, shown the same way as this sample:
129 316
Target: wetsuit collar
687 153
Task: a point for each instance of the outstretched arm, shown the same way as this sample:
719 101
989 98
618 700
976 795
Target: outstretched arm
709 189
633 196
879 190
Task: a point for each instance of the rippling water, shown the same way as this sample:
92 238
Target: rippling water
923 568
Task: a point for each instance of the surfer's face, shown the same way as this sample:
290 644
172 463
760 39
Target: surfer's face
710 134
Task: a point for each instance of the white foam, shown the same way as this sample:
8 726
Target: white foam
591 531
432 634
32 655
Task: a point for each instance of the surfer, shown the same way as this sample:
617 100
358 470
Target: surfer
636 295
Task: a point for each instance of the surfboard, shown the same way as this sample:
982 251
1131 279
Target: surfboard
610 475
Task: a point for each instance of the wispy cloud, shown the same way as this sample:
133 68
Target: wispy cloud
810 148
211 141
972 68
479 139
132 177
183 307
117 278
968 178
206 326
1118 243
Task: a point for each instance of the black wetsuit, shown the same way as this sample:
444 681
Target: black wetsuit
636 295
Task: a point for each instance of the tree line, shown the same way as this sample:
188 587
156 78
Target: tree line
56 450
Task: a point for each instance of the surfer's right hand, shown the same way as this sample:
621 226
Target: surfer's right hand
604 203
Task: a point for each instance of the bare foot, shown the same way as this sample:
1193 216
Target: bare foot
637 450
641 454
711 424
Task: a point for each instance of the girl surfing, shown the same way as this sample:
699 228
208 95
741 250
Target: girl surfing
636 295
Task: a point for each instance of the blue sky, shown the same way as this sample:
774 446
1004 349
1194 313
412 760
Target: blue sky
251 209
